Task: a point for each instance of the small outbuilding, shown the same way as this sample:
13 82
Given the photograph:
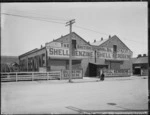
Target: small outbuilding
140 65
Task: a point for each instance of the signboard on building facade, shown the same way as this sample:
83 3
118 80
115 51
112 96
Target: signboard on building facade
76 74
82 51
119 72
57 49
107 53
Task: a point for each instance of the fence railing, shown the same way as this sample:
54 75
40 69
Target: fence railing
21 76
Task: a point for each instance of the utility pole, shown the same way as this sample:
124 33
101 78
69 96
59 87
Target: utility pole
70 49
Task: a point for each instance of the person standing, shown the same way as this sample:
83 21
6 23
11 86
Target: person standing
102 76
100 72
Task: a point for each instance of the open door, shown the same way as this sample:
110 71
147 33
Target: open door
92 70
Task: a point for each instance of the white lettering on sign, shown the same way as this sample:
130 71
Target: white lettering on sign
86 47
107 53
76 74
119 72
59 52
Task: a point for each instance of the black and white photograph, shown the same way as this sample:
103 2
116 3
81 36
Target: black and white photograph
74 58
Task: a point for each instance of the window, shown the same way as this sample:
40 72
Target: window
115 48
74 44
65 45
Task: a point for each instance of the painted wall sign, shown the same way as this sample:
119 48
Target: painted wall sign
76 74
105 49
56 49
64 52
120 72
107 53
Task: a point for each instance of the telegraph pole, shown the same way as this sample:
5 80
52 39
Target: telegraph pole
70 49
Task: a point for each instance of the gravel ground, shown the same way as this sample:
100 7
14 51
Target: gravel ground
87 95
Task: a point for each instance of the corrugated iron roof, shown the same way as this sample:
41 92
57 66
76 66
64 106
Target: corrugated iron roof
140 60
97 43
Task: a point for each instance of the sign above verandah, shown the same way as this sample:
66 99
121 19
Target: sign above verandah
56 49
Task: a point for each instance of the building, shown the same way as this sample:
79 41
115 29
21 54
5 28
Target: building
140 65
111 54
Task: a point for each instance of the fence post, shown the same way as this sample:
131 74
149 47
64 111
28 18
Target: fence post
60 74
32 76
47 75
16 77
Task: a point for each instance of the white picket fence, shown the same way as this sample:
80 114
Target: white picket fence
21 76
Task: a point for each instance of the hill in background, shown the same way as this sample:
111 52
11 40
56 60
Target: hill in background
9 59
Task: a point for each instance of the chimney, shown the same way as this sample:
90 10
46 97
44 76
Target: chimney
144 55
94 41
139 56
41 46
109 36
102 39
61 36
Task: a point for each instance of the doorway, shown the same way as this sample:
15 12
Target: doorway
137 71
94 69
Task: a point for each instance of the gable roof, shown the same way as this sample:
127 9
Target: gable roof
140 60
68 35
122 43
99 43
32 51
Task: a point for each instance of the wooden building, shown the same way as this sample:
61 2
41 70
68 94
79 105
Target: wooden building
140 65
111 54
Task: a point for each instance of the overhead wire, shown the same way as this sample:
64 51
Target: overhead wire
51 20
106 34
60 18
90 30
35 18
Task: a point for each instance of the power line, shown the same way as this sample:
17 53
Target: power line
49 20
106 34
43 15
34 18
90 30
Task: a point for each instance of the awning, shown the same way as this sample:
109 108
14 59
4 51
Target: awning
114 60
99 64
64 58
137 67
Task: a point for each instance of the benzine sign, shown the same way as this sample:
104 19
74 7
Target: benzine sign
109 55
64 52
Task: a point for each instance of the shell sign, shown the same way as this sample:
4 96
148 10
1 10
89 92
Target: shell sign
60 51
107 53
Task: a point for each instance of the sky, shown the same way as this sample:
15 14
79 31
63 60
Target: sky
21 33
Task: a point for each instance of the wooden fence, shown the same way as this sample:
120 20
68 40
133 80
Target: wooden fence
30 76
